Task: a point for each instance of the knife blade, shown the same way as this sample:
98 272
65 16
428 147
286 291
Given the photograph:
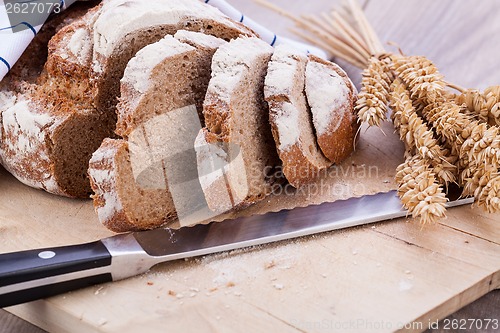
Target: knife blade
30 275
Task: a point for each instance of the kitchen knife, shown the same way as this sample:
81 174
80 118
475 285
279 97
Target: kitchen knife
30 275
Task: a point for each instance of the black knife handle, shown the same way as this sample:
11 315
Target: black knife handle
30 275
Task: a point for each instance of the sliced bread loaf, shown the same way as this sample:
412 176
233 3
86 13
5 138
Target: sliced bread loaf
152 178
290 117
77 93
235 152
331 96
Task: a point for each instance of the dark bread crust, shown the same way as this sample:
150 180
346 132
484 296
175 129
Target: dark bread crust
290 118
117 198
237 122
128 201
338 141
56 128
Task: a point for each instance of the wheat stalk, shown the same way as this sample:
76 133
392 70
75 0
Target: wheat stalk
449 137
345 32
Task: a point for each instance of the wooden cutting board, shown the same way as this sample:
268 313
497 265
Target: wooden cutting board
378 277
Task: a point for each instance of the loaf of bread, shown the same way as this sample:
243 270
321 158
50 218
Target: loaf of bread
290 117
193 126
235 151
149 178
331 97
52 129
34 134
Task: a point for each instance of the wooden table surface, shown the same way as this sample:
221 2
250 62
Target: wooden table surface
460 36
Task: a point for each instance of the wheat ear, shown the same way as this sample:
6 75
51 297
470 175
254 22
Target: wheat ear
421 76
419 191
492 96
374 95
474 102
418 137
477 144
489 197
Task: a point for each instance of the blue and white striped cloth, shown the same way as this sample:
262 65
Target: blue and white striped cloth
13 44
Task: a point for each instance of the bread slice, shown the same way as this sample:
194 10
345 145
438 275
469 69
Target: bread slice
331 96
77 93
235 152
290 117
150 178
171 70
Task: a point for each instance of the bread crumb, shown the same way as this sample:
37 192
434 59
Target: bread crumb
171 293
150 283
179 296
354 252
194 289
98 290
407 272
212 289
270 264
324 275
278 286
230 284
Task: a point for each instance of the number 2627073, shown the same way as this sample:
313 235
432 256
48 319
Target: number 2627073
32 8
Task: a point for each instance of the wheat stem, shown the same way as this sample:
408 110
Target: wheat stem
340 22
320 29
347 34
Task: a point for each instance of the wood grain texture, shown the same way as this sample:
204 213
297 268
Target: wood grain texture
10 323
365 279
